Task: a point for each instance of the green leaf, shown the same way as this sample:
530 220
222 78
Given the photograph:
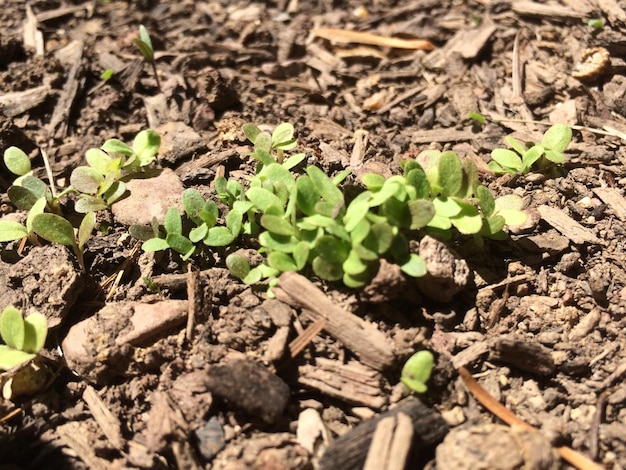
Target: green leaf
397 212
468 221
22 198
155 244
360 231
115 192
446 207
517 145
389 189
262 148
557 138
251 132
356 212
450 173
10 231
86 204
12 327
380 238
281 261
262 198
422 211
276 242
507 159
173 221
113 146
35 332
193 202
219 236
35 185
238 265
417 178
144 36
301 254
555 157
417 370
283 136
332 249
180 244
16 161
54 228
98 160
141 232
485 200
277 224
415 266
198 233
327 270
530 157
307 195
372 181
356 280
234 222
86 179
341 176
493 225
10 357
279 174
86 227
354 265
324 186
146 145
38 208
294 160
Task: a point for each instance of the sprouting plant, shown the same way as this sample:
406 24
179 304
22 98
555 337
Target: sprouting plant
23 337
524 156
100 184
280 140
144 43
596 23
417 370
97 187
478 121
107 74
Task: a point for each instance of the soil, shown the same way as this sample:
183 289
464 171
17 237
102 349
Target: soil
194 369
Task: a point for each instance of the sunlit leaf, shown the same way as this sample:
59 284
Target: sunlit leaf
54 228
16 161
12 327
35 332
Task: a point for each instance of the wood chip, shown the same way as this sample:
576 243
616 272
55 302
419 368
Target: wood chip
567 226
60 117
466 42
75 435
361 337
523 354
543 10
346 37
391 444
441 135
613 198
108 422
18 102
351 383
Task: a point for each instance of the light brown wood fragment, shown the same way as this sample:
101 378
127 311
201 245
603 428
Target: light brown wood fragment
347 36
361 138
59 121
18 102
466 42
75 435
361 337
441 135
614 199
567 226
391 444
108 422
545 10
613 10
351 383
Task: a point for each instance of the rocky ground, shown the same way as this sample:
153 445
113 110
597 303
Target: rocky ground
194 369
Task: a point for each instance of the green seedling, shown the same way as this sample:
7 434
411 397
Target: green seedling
144 43
524 156
100 184
596 23
107 74
417 370
23 337
278 142
478 121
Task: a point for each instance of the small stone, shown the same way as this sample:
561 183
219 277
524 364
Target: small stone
211 438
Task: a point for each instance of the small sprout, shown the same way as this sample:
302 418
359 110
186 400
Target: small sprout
417 370
596 23
107 74
23 337
524 156
144 43
478 121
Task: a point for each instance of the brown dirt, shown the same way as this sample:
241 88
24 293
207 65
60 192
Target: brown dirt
182 378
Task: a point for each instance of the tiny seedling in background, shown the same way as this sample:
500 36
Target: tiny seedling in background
478 121
523 157
596 23
107 74
23 337
417 370
144 43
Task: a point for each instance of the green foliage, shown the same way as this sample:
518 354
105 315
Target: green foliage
144 43
523 156
97 186
23 337
417 370
304 220
596 23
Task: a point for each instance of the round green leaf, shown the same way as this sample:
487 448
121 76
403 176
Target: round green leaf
12 327
10 357
468 221
417 370
86 179
54 228
450 173
507 159
277 225
281 261
16 161
422 211
238 265
155 244
354 265
415 266
98 160
219 236
355 281
327 270
113 146
86 227
10 231
35 332
485 200
557 138
22 198
86 204
332 249
146 145
283 136
324 186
